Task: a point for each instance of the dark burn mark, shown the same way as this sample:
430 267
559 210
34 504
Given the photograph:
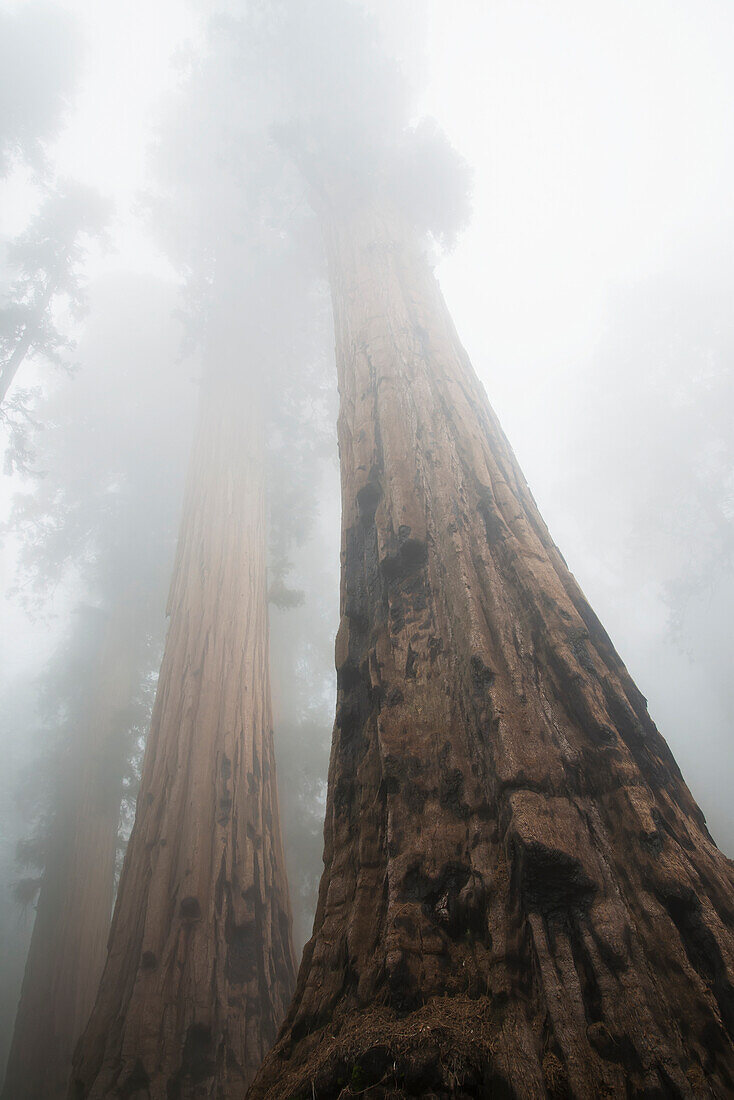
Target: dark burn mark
400 773
410 663
407 599
451 791
410 556
551 881
148 961
390 785
197 1061
343 797
251 895
602 735
615 960
423 338
363 581
649 750
221 885
356 698
225 799
414 797
397 616
368 498
407 924
402 766
590 989
135 1083
190 908
615 1048
404 992
554 884
455 900
284 926
500 1088
655 839
348 676
577 640
352 713
701 948
494 525
482 676
241 963
627 723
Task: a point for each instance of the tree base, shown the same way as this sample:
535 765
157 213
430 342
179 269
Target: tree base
442 1050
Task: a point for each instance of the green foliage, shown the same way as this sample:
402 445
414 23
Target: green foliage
48 260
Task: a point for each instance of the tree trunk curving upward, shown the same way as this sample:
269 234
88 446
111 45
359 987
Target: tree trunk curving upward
67 949
200 965
520 896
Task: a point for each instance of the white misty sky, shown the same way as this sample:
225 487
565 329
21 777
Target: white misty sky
601 138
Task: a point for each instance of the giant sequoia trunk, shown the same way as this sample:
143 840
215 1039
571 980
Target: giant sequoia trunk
67 950
520 896
200 965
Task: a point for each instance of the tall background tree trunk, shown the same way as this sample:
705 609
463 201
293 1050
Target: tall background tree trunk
520 895
68 943
200 965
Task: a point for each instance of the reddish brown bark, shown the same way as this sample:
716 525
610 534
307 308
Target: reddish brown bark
520 896
200 964
68 943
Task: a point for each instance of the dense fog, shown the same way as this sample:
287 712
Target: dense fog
572 167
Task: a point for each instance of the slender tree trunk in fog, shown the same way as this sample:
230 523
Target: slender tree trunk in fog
520 896
68 943
9 369
200 965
